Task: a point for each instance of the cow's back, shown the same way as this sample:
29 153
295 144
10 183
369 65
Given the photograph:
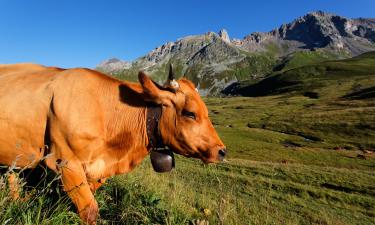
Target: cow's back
25 97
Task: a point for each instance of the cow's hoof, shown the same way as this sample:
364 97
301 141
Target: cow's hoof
89 214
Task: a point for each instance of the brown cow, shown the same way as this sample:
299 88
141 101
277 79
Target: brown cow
88 126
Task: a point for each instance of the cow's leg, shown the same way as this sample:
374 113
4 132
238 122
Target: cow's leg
14 186
76 185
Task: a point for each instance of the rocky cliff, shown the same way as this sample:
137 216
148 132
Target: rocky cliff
316 30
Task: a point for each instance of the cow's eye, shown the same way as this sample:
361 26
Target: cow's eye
189 114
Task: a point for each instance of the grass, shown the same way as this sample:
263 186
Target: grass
294 158
302 58
252 192
44 204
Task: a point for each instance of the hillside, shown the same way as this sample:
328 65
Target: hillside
354 77
214 61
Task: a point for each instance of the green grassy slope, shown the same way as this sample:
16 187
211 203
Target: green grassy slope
302 58
357 73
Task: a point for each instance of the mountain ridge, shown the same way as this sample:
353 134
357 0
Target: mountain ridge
213 60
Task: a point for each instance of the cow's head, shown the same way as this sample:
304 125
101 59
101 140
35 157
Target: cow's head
184 125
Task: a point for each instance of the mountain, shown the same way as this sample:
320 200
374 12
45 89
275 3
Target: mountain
213 60
201 57
113 65
314 31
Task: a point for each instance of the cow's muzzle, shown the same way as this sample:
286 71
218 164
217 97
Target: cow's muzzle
221 154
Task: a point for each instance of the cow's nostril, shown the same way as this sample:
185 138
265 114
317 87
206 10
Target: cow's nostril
222 152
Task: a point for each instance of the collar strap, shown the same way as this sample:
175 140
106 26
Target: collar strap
152 126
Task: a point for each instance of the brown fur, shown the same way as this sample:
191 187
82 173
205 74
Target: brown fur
94 125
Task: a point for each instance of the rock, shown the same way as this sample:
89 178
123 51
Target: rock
224 35
290 144
201 222
360 156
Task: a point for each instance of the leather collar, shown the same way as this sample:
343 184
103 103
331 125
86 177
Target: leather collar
152 126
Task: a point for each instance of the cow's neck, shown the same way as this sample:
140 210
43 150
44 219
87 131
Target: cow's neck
128 140
152 126
125 127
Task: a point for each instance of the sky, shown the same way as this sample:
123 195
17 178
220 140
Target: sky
78 33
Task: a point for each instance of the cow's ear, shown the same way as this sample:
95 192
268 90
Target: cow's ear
153 92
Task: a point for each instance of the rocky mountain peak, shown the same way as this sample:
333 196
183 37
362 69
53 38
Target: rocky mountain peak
319 13
224 35
111 60
113 65
316 30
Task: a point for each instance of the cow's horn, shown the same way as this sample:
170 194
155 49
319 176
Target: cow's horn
171 74
171 82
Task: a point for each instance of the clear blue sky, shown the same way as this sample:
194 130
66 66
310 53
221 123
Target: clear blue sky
74 33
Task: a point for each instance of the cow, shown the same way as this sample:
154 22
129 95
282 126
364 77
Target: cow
87 126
